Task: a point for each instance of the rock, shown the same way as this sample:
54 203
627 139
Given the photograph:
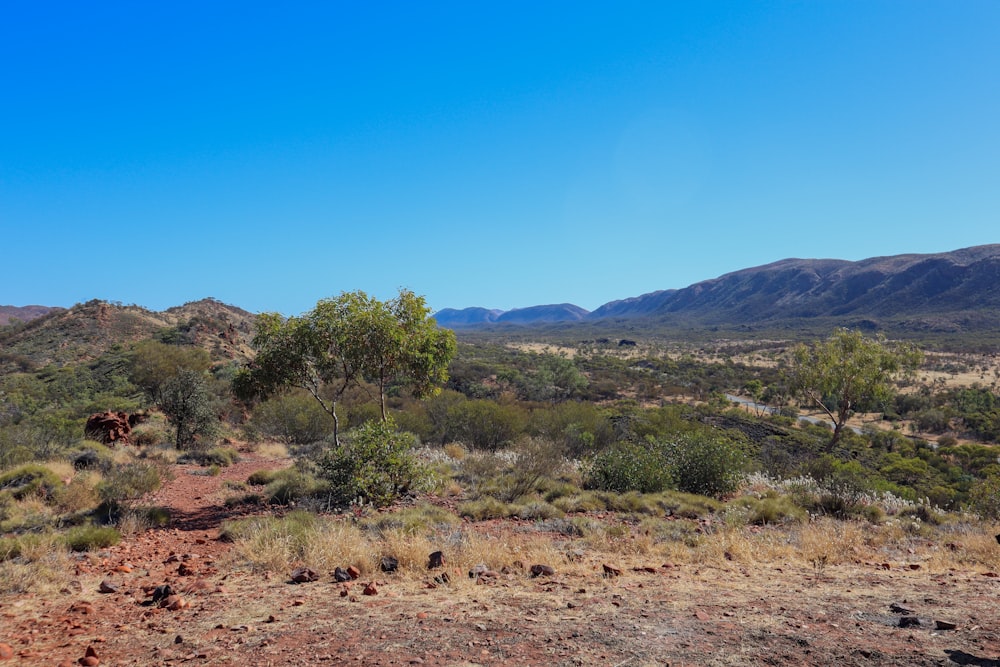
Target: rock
945 625
701 615
340 575
647 569
435 560
107 587
998 539
909 622
89 662
389 564
110 428
161 592
610 571
173 603
481 571
371 589
184 570
543 570
914 566
900 609
90 652
354 572
302 575
82 607
6 651
991 575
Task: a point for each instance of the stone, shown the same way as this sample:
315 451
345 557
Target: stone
389 564
611 571
354 572
701 615
107 587
371 589
909 622
945 625
111 428
900 609
998 539
302 575
184 570
89 661
6 651
435 560
542 570
161 592
340 575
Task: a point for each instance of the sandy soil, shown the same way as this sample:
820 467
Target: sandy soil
774 614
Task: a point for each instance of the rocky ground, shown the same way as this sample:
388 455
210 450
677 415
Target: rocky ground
656 614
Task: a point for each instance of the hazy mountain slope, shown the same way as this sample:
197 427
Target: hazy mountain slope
562 312
23 313
451 317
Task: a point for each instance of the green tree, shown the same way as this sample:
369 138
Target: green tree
849 372
344 341
187 403
154 363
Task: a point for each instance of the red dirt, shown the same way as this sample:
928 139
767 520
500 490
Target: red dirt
685 615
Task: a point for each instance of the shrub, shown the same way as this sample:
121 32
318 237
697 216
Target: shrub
216 456
91 538
630 467
128 482
706 463
374 463
291 485
294 418
984 497
30 479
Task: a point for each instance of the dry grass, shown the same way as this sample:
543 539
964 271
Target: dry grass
43 566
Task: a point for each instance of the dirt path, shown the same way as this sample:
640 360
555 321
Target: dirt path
687 615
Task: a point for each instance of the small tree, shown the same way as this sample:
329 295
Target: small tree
343 341
187 403
848 372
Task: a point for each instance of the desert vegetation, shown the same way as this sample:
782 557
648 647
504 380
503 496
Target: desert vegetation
504 453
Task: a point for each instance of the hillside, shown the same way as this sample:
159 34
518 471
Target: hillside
951 291
87 330
14 314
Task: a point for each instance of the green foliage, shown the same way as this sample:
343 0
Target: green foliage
706 463
627 466
374 463
292 485
767 510
849 372
984 498
154 364
128 482
486 425
30 480
216 456
188 406
294 418
91 538
344 341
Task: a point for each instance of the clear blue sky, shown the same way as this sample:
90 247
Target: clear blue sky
500 154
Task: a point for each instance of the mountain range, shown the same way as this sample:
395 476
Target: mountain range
950 291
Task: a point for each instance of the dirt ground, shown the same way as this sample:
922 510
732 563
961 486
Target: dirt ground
773 614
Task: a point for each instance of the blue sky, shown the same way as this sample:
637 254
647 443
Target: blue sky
490 154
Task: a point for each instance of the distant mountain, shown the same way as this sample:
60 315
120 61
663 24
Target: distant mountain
451 318
949 291
563 312
22 313
90 329
474 318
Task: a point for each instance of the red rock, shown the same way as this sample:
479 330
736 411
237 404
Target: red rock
371 589
422 615
89 662
436 559
610 571
107 587
354 572
542 570
90 652
6 651
991 575
302 575
701 615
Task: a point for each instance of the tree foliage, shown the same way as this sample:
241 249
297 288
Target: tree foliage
849 372
187 402
345 341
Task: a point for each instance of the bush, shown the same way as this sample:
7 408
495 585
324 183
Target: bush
128 482
31 479
984 497
706 463
374 463
216 456
630 467
295 418
91 538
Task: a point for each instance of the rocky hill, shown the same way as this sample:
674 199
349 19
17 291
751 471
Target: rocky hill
950 291
87 330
